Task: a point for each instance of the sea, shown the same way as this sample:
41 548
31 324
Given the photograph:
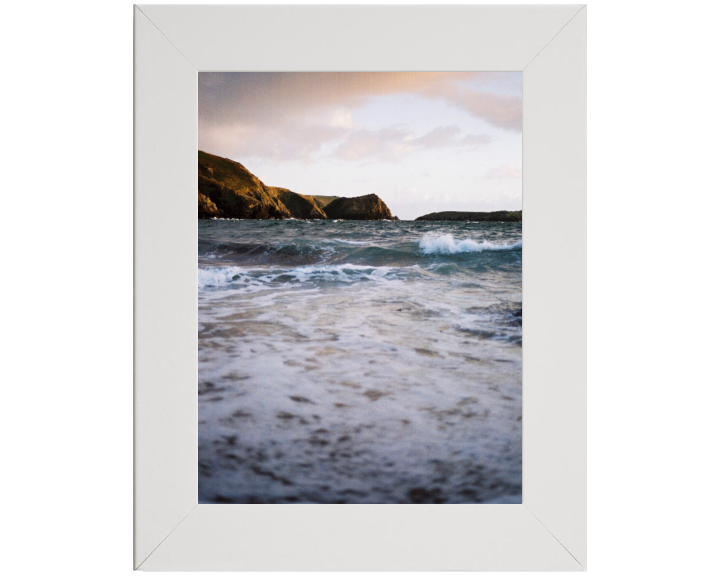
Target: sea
359 362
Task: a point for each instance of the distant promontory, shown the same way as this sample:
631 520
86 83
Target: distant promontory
499 216
226 189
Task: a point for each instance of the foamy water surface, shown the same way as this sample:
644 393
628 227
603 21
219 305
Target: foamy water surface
359 362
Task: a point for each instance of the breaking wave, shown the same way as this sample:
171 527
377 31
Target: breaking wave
239 277
446 244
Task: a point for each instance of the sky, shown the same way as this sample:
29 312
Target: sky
422 141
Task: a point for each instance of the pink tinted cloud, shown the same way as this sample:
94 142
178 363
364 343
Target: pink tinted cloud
391 144
288 116
271 143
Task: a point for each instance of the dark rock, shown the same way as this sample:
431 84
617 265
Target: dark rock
369 207
235 191
299 205
499 216
226 189
207 208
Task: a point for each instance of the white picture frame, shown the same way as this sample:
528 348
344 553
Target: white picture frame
548 530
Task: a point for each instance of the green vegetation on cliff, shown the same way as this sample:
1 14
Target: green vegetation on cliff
323 201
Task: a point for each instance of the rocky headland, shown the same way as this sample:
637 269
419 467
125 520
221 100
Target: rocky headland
226 189
368 207
299 205
499 216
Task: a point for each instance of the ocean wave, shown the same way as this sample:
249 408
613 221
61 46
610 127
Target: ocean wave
355 242
254 279
222 276
270 252
447 244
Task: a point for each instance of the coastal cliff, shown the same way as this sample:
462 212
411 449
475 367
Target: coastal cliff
299 205
499 216
369 207
226 189
234 191
323 201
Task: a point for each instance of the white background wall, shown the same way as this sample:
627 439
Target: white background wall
67 279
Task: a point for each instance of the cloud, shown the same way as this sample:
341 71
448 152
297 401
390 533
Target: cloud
475 140
387 145
256 97
391 144
271 143
503 172
500 110
261 96
438 137
290 116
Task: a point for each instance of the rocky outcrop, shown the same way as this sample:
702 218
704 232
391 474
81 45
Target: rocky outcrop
323 201
235 191
226 189
299 205
207 208
368 207
499 216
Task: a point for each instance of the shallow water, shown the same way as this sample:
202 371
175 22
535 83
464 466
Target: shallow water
359 362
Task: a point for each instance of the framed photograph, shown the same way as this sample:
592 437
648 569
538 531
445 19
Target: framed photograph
367 351
359 329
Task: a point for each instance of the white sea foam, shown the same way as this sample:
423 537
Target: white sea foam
405 367
446 244
209 277
338 272
358 242
254 279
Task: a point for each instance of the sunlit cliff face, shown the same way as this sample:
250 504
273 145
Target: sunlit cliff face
422 141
